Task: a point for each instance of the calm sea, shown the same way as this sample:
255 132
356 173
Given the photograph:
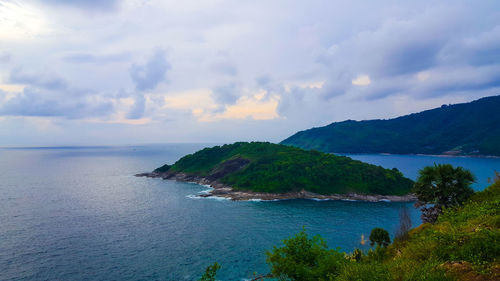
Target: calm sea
78 213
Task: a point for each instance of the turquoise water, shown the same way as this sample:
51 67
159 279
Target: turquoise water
482 168
80 214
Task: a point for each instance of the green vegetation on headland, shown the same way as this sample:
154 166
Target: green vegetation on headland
463 244
274 168
461 129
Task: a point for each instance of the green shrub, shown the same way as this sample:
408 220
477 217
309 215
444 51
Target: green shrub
364 272
210 273
476 247
380 237
356 255
379 254
304 258
408 270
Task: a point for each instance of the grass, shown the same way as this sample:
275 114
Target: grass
464 244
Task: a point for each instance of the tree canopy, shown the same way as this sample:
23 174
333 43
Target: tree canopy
379 237
443 186
274 168
210 273
469 130
305 258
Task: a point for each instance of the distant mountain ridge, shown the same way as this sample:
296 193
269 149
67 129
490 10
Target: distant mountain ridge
461 129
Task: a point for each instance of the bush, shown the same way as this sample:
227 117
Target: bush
379 254
356 255
364 272
380 237
210 273
476 247
428 270
304 258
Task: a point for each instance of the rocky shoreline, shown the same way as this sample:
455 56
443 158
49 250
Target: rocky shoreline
224 191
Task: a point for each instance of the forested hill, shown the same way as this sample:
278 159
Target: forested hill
275 168
461 129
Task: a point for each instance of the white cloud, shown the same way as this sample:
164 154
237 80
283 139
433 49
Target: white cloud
362 80
250 107
423 75
21 21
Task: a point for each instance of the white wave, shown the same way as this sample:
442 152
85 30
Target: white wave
273 200
319 199
206 191
218 198
384 200
349 200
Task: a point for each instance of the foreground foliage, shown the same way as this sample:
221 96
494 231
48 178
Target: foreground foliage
304 258
468 130
464 244
210 273
267 167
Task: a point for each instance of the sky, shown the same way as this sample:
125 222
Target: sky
90 72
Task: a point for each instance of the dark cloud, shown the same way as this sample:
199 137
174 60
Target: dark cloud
96 5
47 94
290 99
409 58
482 49
271 86
147 77
5 57
431 54
225 68
96 59
337 85
263 81
33 102
43 80
150 74
137 110
226 94
462 79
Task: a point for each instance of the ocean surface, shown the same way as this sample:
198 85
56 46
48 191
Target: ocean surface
78 213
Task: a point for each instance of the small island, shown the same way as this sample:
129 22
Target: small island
267 171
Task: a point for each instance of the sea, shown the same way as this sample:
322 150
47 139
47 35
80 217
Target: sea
79 213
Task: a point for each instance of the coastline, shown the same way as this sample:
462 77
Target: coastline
420 154
224 191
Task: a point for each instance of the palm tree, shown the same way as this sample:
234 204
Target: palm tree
443 186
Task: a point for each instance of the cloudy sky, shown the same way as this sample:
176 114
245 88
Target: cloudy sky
95 72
